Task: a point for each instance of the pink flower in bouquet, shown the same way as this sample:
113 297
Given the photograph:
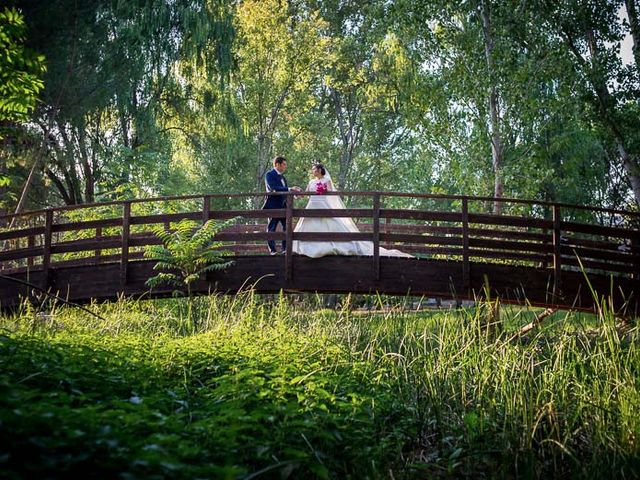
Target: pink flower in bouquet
321 187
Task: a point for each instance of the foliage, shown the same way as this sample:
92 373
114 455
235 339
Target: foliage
163 97
285 391
109 79
590 35
21 72
188 252
21 69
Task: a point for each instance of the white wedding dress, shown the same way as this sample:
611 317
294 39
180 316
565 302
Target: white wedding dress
316 249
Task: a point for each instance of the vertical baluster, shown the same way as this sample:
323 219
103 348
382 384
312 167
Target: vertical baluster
557 252
545 263
124 253
376 236
466 281
98 251
206 209
288 262
634 244
545 240
31 242
46 248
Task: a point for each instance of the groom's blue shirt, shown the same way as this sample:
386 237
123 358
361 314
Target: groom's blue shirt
275 182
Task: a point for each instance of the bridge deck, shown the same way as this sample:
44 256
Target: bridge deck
398 276
96 252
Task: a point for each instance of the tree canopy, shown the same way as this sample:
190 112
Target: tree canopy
520 99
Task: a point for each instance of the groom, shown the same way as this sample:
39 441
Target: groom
275 182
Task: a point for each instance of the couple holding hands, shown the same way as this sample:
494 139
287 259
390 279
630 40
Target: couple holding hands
320 183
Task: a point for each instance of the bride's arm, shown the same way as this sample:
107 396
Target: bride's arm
310 186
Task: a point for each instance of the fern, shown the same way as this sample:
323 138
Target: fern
187 252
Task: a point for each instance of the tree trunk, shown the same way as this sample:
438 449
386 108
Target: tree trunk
606 107
95 145
25 189
89 183
264 162
124 127
497 150
60 186
27 184
345 162
349 137
635 29
632 169
71 174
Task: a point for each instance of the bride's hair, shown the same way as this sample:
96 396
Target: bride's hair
320 167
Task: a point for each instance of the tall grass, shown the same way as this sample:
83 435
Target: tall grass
278 387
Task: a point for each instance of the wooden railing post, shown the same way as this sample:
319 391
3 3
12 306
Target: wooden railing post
46 249
124 254
206 209
376 236
288 258
557 252
31 242
633 241
98 251
466 281
545 241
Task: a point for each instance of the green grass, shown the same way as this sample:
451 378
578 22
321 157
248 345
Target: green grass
251 388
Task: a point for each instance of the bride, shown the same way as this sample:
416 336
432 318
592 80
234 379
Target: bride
321 183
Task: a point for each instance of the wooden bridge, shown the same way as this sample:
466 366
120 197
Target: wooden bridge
545 254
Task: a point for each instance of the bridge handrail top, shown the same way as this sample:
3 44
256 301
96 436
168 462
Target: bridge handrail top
381 193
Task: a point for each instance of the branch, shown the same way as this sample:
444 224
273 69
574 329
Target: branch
568 40
635 29
339 113
52 116
536 322
49 294
60 186
278 106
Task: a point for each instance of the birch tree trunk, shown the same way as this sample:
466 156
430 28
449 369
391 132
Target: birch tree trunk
497 149
606 106
349 131
635 29
87 173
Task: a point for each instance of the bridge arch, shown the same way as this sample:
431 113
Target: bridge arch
542 253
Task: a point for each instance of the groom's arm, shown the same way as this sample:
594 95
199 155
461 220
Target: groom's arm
274 184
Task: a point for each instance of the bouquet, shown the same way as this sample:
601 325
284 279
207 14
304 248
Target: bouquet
321 188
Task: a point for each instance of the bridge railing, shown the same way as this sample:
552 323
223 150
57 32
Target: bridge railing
555 238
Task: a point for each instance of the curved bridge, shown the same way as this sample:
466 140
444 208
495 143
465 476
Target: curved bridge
545 254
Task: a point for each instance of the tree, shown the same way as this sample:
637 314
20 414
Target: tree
280 52
110 74
353 90
497 152
590 34
479 97
21 69
492 103
634 28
